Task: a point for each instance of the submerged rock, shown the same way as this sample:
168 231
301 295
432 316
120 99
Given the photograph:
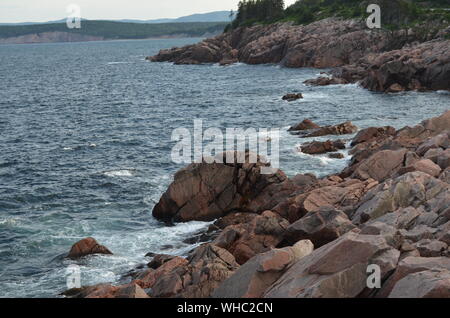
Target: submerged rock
292 97
320 147
324 81
87 246
341 129
306 124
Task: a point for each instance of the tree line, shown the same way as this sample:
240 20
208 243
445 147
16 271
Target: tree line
251 11
396 13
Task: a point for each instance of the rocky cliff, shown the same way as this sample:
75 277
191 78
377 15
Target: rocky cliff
357 53
309 237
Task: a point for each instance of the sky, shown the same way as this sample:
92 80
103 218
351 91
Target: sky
47 10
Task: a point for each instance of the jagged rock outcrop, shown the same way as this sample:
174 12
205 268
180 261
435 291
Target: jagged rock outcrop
331 271
340 195
413 189
393 211
373 133
207 191
425 66
378 59
340 42
253 278
425 284
389 154
259 235
321 227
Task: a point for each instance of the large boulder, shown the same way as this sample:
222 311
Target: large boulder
381 165
437 142
341 195
245 240
321 227
425 284
253 278
443 159
148 278
206 267
373 133
415 189
332 271
340 129
424 165
411 265
431 248
87 246
306 124
292 97
428 128
319 147
207 191
403 218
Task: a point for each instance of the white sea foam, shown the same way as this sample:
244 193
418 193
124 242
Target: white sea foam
115 63
119 173
9 221
324 161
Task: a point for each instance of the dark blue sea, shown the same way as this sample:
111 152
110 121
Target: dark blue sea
85 144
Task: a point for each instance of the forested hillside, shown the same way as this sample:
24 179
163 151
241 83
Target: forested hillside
395 13
118 30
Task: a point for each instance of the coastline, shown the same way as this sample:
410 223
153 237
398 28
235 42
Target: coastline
300 236
6 41
378 60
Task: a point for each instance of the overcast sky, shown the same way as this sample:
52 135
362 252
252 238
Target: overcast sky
45 10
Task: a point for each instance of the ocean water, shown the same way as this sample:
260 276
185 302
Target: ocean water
85 137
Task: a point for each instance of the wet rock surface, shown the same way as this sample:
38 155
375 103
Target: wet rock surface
314 237
87 246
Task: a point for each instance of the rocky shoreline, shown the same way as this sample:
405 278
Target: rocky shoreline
309 237
377 59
